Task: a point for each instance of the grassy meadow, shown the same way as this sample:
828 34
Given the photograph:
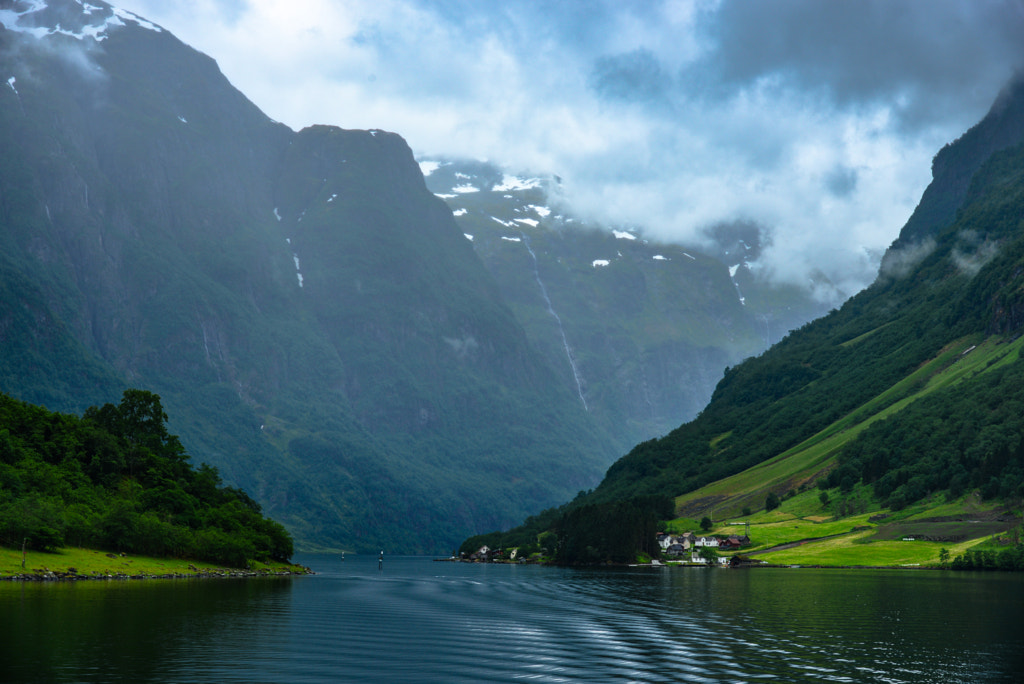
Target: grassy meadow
802 531
93 563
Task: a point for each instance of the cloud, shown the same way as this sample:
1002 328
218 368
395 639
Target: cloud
815 120
899 261
912 55
972 252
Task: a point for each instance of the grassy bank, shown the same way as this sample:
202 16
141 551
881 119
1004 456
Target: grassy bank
96 564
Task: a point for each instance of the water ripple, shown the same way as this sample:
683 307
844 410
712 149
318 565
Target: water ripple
417 621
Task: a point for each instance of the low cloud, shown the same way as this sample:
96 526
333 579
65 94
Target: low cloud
900 261
815 120
972 252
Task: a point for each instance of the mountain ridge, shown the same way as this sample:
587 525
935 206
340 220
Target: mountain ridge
309 313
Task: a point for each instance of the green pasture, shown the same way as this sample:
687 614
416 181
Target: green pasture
856 540
855 549
91 562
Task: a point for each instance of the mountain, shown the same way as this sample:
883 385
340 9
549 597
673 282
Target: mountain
958 286
639 330
307 310
910 394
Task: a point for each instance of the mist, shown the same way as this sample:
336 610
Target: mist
816 121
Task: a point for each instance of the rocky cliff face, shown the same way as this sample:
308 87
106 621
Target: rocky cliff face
314 320
953 168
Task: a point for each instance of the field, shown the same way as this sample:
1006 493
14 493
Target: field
803 532
93 563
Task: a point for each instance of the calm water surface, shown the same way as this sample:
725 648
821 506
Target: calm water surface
423 621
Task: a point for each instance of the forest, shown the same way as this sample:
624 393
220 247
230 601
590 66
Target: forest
115 479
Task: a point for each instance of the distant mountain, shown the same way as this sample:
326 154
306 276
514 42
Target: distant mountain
308 311
640 331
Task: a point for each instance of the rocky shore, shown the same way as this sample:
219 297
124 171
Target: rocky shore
44 575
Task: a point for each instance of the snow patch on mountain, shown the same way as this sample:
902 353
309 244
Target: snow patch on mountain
468 236
658 257
465 188
732 275
511 239
623 235
298 272
543 212
601 262
96 21
511 183
429 167
11 18
459 212
530 222
130 16
10 82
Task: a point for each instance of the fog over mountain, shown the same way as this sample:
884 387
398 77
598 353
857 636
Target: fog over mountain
814 120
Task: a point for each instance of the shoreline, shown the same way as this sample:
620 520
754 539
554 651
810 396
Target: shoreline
76 564
224 573
705 566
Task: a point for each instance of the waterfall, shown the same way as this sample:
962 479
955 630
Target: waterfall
551 310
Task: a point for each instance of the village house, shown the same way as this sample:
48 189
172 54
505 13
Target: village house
732 543
667 541
482 554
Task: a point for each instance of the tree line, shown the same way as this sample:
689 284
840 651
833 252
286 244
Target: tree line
581 533
116 479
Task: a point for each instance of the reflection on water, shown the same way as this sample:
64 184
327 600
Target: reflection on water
421 621
124 630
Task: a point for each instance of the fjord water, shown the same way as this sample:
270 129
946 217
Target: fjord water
415 620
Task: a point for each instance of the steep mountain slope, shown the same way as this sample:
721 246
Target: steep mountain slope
909 399
914 386
640 331
308 311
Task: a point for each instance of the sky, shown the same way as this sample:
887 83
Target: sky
814 120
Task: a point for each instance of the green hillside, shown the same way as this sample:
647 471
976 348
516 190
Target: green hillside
911 394
818 458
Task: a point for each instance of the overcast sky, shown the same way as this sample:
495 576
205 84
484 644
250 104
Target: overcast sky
817 119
